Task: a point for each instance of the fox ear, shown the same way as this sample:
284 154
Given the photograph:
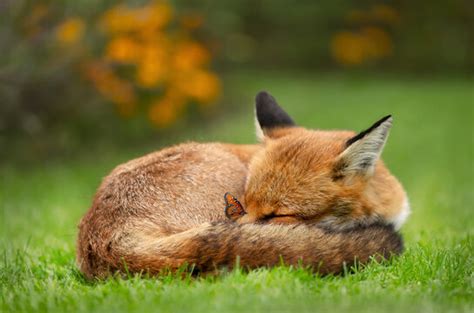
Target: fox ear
269 115
363 150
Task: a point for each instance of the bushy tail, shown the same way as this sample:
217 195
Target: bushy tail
215 245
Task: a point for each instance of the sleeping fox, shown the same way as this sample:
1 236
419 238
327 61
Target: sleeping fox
317 198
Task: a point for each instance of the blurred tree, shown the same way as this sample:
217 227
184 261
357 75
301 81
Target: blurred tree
62 60
424 35
140 57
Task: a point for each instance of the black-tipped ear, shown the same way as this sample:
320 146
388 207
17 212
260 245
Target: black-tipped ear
363 150
364 133
269 114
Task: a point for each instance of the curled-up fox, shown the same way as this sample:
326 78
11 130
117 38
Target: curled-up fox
311 197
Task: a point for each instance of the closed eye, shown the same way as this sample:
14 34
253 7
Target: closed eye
273 215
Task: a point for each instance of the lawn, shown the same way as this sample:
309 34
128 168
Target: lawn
430 150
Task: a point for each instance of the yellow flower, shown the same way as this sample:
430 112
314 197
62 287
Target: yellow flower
200 85
154 16
190 55
146 18
371 43
123 49
153 66
70 31
162 113
150 74
348 48
118 19
171 68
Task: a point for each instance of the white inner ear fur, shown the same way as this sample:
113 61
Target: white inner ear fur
259 130
362 155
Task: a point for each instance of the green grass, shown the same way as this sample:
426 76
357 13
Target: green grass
430 150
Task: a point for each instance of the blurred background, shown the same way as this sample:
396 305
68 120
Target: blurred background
81 77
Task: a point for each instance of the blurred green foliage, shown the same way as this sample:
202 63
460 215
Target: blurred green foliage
136 56
428 35
48 102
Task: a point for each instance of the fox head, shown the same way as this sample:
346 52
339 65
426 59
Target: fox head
333 178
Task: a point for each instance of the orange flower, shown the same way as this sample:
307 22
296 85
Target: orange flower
348 48
118 19
163 113
150 74
371 43
152 68
200 85
169 67
70 31
147 18
154 16
123 49
190 55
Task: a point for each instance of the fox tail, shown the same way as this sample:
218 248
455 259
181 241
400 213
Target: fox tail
212 246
